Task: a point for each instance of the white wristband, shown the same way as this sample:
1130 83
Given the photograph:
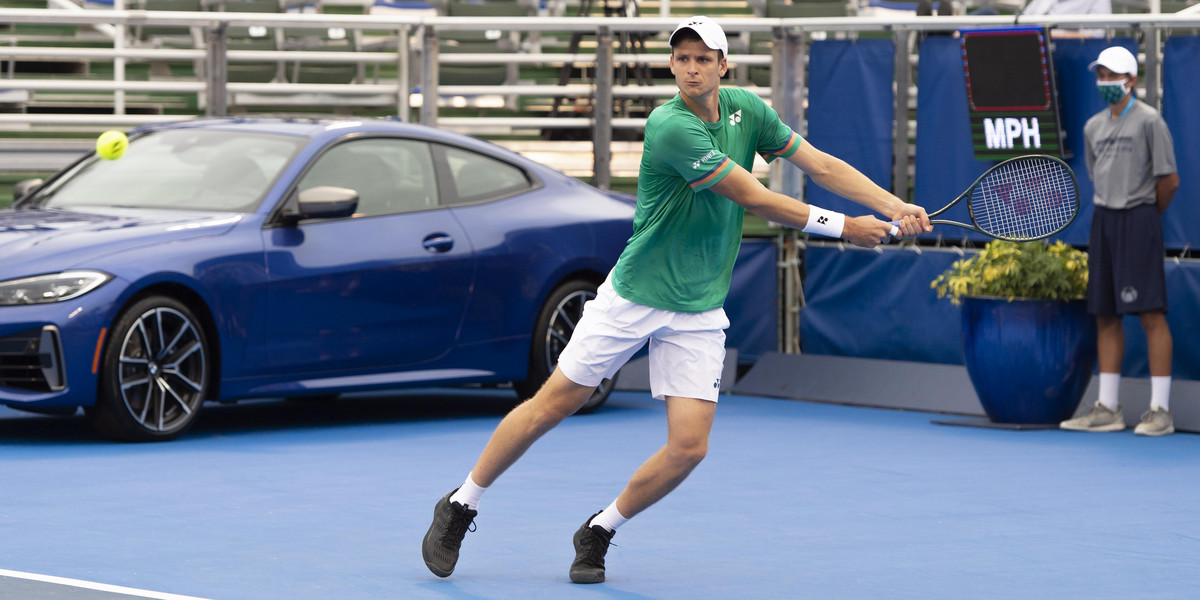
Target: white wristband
825 222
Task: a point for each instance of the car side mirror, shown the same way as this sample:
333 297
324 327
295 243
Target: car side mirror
25 186
323 202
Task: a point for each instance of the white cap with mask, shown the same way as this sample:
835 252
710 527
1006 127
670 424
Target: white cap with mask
1121 62
711 33
1116 59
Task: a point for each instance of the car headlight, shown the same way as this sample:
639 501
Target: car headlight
55 287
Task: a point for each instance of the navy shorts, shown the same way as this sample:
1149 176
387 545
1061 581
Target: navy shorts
1125 262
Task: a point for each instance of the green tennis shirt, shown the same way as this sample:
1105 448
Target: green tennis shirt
685 236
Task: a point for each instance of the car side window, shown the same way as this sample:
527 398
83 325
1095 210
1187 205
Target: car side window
390 175
478 177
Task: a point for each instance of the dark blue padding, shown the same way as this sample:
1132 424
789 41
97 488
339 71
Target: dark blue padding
751 305
945 159
849 113
869 304
1181 71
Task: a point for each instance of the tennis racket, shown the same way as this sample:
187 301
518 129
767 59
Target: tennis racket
1019 200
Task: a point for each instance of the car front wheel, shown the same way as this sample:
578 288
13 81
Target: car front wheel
555 324
155 373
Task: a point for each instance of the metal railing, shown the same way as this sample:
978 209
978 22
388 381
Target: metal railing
790 37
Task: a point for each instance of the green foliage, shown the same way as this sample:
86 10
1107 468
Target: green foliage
6 198
1034 270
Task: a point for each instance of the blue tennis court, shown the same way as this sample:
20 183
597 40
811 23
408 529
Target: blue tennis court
284 500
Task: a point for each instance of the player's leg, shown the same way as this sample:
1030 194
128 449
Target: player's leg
1143 283
1110 343
1148 274
1159 344
1160 348
1102 302
687 357
454 514
596 350
558 399
1106 414
1104 288
686 363
689 422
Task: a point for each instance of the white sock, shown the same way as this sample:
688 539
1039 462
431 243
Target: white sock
468 494
609 518
1160 393
1110 384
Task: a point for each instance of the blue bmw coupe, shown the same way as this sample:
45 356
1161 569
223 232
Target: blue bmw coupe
223 259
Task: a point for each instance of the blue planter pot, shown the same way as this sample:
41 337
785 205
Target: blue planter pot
1030 360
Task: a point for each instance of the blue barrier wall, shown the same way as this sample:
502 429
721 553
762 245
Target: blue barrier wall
1181 74
850 82
879 304
752 305
945 160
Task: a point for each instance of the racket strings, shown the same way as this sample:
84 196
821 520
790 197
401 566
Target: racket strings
1025 199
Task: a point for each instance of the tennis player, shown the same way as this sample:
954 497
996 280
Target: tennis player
669 285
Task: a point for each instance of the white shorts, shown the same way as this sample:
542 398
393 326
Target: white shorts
687 350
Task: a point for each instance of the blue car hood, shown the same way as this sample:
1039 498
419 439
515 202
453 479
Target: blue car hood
34 241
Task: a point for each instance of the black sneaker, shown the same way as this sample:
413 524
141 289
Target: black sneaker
451 522
591 544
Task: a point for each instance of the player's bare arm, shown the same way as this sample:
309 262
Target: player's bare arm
835 175
743 188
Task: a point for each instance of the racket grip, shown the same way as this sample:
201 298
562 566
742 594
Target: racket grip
895 227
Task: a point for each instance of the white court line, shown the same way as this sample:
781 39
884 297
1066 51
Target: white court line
100 587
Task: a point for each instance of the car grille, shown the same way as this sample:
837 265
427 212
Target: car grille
32 360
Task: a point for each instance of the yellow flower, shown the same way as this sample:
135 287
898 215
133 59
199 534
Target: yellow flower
1034 270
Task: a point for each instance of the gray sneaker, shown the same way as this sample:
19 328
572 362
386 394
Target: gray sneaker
1100 418
1156 421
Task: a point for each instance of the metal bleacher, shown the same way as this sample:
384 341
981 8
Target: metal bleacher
278 55
492 68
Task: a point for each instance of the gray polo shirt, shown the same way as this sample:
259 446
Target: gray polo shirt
1126 156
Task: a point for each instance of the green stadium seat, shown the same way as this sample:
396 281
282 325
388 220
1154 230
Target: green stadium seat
487 42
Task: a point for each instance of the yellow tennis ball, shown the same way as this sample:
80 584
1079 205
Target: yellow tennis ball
111 145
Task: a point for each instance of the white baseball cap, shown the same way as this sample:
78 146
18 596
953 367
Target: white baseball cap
710 32
1116 59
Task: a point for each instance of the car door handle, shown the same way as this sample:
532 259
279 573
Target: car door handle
438 242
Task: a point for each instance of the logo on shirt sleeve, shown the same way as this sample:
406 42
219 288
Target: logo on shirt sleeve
696 165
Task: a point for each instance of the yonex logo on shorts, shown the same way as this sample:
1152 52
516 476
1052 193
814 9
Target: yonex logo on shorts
717 384
1129 294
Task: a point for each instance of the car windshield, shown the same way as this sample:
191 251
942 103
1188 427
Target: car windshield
186 169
